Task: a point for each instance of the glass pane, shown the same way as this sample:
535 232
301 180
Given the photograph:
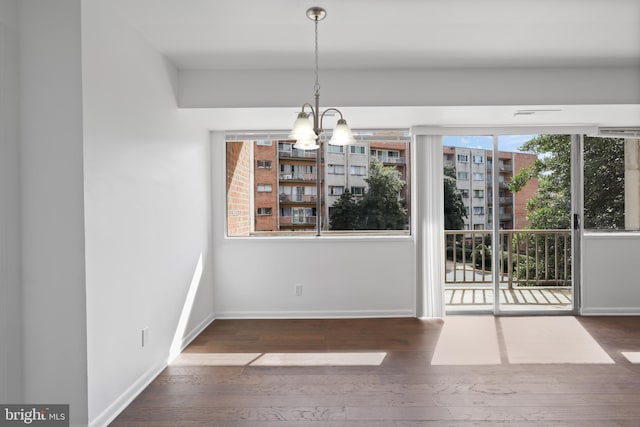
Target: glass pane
364 188
467 218
535 222
611 184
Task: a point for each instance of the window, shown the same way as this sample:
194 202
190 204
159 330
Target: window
478 210
478 226
358 170
336 169
285 146
478 176
264 164
463 176
478 194
336 190
465 194
357 191
610 196
274 189
478 159
463 158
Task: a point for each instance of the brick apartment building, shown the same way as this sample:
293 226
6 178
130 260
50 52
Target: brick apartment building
474 179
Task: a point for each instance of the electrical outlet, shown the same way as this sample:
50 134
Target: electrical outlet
298 290
145 336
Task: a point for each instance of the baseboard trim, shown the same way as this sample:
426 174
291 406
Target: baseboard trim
313 314
138 386
610 311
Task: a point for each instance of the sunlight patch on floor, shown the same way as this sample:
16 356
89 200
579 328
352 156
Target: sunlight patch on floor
467 340
320 359
215 359
550 339
632 356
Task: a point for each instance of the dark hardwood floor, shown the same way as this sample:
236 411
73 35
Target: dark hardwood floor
404 391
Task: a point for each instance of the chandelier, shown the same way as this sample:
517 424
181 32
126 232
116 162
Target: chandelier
305 132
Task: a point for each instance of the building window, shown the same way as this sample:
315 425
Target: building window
335 148
357 191
358 149
465 194
284 146
463 158
265 188
478 210
336 169
478 226
336 190
264 143
264 211
478 159
478 176
358 170
478 194
264 164
463 176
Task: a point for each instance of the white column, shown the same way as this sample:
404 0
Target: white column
632 184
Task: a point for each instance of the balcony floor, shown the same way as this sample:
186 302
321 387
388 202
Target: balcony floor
472 298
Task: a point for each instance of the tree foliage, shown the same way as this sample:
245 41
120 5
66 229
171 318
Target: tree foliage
381 207
454 210
344 213
603 182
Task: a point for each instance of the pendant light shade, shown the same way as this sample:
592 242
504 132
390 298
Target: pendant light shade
303 128
306 144
342 134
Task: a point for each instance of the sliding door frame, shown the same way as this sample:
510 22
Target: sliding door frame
430 254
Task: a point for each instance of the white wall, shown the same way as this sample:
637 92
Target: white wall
10 292
610 283
53 293
256 277
147 203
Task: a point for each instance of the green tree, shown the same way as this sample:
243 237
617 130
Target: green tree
381 207
454 210
603 182
344 213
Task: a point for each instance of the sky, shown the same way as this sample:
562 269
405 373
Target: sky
505 142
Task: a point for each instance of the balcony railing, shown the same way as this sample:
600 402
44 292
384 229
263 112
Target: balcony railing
391 160
297 154
528 258
297 220
297 177
298 198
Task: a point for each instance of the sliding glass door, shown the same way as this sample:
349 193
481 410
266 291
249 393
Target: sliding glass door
508 223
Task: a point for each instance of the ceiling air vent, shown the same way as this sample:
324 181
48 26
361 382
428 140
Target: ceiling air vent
619 132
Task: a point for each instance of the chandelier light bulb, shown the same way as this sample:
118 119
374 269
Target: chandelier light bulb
342 134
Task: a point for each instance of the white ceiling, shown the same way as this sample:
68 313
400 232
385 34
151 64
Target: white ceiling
235 34
276 34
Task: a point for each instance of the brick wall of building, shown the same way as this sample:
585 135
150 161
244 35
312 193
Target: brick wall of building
522 160
239 188
266 176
